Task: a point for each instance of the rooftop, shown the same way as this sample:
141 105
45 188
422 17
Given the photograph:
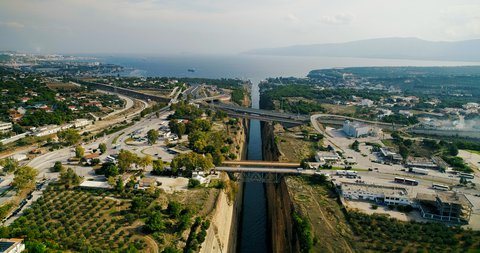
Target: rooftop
445 197
371 188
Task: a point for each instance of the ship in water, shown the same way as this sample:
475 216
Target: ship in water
191 70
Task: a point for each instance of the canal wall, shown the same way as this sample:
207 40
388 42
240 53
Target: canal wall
223 231
279 204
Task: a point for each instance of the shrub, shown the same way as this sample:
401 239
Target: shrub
193 183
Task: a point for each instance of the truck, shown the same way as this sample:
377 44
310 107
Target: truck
418 171
351 174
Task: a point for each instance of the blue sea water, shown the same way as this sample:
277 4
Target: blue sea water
254 68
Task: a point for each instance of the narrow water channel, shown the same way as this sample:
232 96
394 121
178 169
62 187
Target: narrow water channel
253 233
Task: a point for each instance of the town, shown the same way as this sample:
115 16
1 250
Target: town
180 144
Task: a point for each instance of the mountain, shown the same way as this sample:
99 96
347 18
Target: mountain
387 48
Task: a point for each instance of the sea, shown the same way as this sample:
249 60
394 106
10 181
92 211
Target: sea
248 67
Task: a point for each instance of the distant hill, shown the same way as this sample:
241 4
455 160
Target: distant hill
386 48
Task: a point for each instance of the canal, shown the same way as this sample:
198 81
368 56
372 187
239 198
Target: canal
253 230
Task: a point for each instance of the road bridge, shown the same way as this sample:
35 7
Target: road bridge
262 115
255 163
263 174
123 91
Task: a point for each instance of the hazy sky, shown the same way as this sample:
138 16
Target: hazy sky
224 26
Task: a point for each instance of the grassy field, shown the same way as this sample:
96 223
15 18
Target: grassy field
473 151
330 229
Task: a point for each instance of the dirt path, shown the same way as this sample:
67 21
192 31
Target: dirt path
152 244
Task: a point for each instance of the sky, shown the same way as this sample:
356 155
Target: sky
223 26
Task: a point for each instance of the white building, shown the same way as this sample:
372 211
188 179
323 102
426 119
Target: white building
378 193
366 102
5 127
19 157
355 129
200 176
327 157
52 129
406 113
81 123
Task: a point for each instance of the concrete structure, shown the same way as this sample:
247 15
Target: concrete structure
420 162
95 185
355 129
146 182
19 157
81 123
11 245
390 155
405 113
327 157
445 206
200 176
366 102
5 127
51 129
378 193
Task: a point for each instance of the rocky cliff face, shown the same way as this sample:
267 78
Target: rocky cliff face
280 206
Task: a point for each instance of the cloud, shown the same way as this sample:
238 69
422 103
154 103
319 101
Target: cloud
337 19
12 24
291 18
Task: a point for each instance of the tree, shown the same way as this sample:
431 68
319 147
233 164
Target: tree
155 223
158 167
69 178
174 209
69 136
9 165
177 128
111 170
79 151
102 147
139 205
35 247
171 249
120 186
57 167
217 157
192 161
404 152
355 146
24 177
144 161
152 136
452 150
126 159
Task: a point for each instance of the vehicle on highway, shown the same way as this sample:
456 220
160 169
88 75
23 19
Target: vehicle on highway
441 187
466 175
407 181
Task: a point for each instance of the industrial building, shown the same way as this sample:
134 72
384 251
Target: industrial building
381 194
390 155
421 162
355 129
445 206
327 157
